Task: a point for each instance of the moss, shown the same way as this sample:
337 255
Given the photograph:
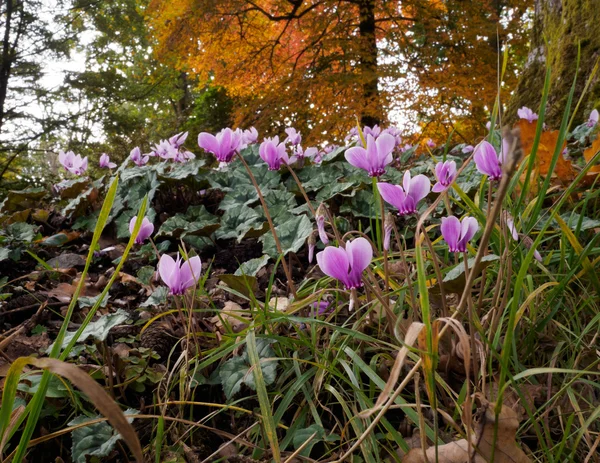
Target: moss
559 27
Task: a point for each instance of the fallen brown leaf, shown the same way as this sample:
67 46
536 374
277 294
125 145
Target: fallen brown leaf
505 448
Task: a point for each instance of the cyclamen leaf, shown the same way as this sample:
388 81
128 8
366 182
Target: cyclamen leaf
237 223
236 371
99 329
292 234
96 440
252 267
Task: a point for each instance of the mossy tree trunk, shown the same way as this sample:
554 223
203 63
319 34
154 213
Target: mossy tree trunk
559 27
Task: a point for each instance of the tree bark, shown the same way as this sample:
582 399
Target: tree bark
7 60
371 113
559 27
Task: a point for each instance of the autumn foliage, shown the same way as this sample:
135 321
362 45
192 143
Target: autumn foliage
317 64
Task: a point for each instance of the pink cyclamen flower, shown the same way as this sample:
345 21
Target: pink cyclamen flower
302 153
165 150
406 197
593 120
487 160
468 149
445 173
179 275
293 137
178 140
430 143
250 136
105 162
274 153
526 113
146 229
376 157
346 265
72 162
137 157
373 131
457 234
224 145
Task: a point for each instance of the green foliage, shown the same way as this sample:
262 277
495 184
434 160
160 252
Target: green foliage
237 370
94 440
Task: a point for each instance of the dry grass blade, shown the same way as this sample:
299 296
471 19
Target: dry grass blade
103 402
411 336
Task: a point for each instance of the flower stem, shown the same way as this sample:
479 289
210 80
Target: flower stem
288 275
302 190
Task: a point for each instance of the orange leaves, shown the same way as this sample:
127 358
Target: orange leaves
563 171
589 153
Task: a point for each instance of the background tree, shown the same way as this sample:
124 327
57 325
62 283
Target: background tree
319 63
132 98
559 27
29 38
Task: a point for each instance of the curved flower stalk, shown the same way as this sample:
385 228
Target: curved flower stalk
528 114
388 226
375 157
445 172
146 229
406 197
224 145
487 161
457 234
137 157
105 162
346 265
179 275
274 153
73 163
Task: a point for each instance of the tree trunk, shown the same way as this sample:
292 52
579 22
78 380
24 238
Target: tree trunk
559 26
6 60
371 112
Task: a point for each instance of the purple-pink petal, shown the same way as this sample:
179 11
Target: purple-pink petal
486 160
357 156
334 263
360 254
392 194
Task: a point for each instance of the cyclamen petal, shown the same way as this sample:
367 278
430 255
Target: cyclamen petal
486 160
360 254
146 229
375 157
179 275
346 265
334 263
105 162
458 234
593 120
392 194
445 173
526 113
